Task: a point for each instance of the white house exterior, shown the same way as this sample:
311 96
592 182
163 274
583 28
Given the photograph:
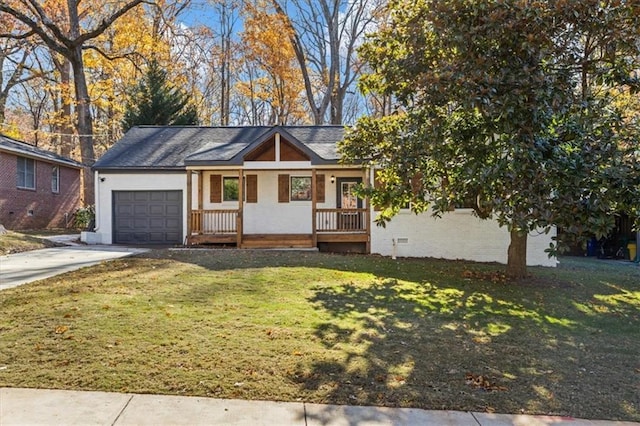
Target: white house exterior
268 187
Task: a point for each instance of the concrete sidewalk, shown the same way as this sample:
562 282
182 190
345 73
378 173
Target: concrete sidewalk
21 268
47 407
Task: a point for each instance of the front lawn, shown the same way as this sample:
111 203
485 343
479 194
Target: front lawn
360 330
16 242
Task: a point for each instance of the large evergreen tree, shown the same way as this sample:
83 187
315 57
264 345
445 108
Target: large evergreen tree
512 104
154 101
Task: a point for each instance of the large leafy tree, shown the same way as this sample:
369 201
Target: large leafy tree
66 28
509 104
155 101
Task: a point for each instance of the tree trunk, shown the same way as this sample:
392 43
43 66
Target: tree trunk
65 127
517 255
85 122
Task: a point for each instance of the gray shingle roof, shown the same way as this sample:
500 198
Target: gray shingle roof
173 148
24 149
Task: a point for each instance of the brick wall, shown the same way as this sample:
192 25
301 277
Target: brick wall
39 208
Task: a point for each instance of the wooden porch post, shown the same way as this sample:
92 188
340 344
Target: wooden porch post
314 201
200 194
367 205
189 207
239 219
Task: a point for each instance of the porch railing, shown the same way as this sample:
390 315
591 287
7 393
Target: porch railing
214 221
205 222
341 220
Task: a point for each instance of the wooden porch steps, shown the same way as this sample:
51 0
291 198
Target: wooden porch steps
213 239
277 241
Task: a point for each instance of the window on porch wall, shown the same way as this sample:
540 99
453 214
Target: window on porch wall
230 189
225 188
298 188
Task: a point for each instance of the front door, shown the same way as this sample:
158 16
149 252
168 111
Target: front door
347 200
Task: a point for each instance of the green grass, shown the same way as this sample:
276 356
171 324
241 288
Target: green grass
15 242
334 329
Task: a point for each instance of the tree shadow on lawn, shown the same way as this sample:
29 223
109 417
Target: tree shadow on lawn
420 333
478 346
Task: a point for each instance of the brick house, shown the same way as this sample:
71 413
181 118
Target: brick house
38 189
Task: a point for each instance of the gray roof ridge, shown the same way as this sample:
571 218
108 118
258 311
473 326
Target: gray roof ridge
267 130
194 126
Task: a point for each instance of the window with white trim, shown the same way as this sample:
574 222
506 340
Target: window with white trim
26 173
55 179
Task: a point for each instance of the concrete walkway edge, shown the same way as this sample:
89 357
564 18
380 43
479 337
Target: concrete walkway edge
19 406
21 268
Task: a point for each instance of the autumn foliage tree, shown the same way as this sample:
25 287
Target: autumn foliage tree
510 104
66 27
280 83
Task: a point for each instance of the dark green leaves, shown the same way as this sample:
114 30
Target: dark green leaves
154 101
514 102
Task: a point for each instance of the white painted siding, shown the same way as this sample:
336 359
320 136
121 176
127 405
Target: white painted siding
267 216
131 182
456 235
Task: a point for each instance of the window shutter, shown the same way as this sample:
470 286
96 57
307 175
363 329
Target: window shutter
283 188
320 188
252 188
215 188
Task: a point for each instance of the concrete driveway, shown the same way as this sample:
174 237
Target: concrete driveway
21 268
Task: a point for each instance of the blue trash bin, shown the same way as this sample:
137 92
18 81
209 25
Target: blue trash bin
592 247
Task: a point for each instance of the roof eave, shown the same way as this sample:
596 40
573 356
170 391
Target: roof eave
68 163
138 169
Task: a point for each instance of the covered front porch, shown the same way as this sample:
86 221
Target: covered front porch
293 208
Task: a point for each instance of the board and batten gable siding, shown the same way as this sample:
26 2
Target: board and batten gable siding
148 181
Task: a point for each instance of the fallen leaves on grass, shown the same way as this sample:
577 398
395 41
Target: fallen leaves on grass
61 329
482 382
493 276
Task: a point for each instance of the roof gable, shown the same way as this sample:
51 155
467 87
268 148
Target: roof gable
23 149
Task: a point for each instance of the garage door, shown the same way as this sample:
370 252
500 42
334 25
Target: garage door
147 217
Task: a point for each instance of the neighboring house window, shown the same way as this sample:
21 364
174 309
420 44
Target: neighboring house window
55 179
26 173
300 188
230 189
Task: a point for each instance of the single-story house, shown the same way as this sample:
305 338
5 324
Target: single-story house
38 189
268 187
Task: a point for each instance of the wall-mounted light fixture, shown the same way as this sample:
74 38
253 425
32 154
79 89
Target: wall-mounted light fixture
333 179
102 179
